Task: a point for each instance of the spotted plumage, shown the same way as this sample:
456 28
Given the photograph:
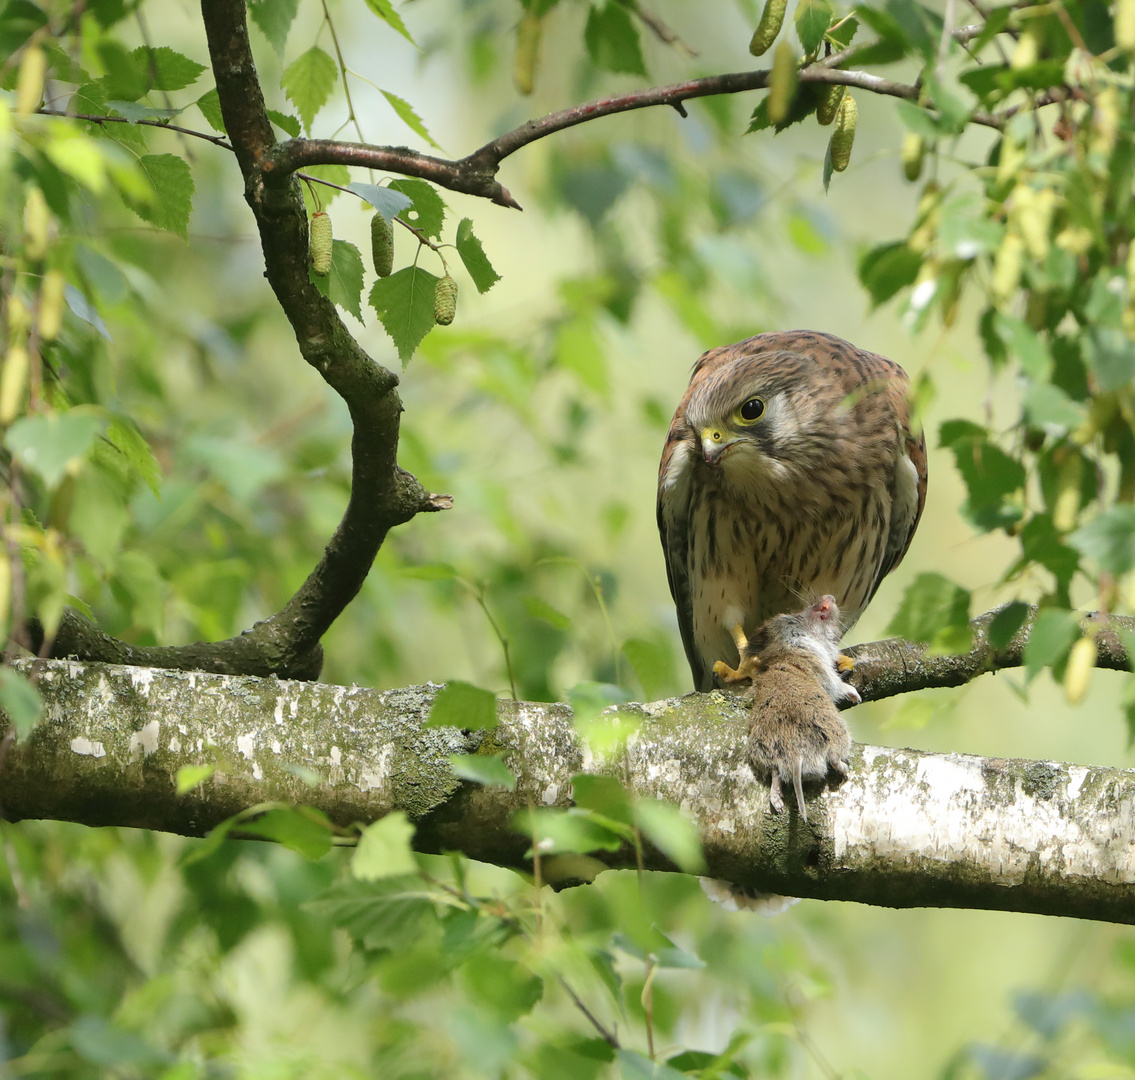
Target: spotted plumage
790 470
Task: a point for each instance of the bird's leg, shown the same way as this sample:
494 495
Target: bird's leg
845 663
747 666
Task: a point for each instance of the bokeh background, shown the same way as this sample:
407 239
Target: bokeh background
645 239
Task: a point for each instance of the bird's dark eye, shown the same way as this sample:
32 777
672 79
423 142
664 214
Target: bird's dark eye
750 412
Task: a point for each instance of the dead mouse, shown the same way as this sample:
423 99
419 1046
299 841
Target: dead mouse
796 731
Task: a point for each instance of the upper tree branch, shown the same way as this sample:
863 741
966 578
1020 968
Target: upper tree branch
475 173
382 494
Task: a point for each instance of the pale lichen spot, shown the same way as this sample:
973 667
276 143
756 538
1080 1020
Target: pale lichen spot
141 678
947 776
81 745
246 744
551 793
1077 774
146 739
373 775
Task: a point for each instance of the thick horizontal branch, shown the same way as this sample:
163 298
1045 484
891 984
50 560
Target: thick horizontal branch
906 829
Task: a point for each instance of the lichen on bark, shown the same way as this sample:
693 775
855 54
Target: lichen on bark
907 828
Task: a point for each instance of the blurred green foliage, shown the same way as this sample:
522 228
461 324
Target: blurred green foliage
173 469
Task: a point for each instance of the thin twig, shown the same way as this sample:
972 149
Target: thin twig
216 140
657 27
607 1036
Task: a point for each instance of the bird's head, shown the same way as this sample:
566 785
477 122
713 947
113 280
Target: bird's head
744 415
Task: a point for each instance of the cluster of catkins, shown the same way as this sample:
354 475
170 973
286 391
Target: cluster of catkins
382 254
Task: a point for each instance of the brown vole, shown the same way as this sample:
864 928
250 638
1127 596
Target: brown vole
796 731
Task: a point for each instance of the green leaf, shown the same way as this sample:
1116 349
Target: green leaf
934 610
428 210
306 831
387 202
918 120
959 431
813 17
384 849
1021 339
842 34
285 122
1005 624
166 69
191 776
52 443
462 705
114 1050
885 269
384 9
127 74
802 106
893 42
539 609
473 256
134 112
487 769
1109 539
555 832
652 664
407 115
130 443
603 795
173 188
634 1066
275 18
383 914
1040 542
405 305
612 40
20 701
669 830
343 285
1051 637
507 988
1111 355
308 81
990 476
964 230
1046 405
18 21
210 105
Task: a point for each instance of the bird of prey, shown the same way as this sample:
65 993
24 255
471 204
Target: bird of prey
790 470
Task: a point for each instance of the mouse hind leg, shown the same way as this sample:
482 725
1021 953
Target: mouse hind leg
775 795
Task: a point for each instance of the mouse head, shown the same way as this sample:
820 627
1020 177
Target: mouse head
824 618
816 629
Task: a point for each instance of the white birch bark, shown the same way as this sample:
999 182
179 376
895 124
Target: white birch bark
907 828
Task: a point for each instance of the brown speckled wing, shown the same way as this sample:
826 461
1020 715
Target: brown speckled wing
673 517
910 488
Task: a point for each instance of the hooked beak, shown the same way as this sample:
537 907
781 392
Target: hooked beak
714 443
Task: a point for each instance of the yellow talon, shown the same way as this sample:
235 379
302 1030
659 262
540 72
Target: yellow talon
845 663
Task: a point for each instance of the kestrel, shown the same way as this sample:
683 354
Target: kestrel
790 471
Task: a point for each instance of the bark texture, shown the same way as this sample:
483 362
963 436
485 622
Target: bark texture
908 828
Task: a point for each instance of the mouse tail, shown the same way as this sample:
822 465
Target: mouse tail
798 785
